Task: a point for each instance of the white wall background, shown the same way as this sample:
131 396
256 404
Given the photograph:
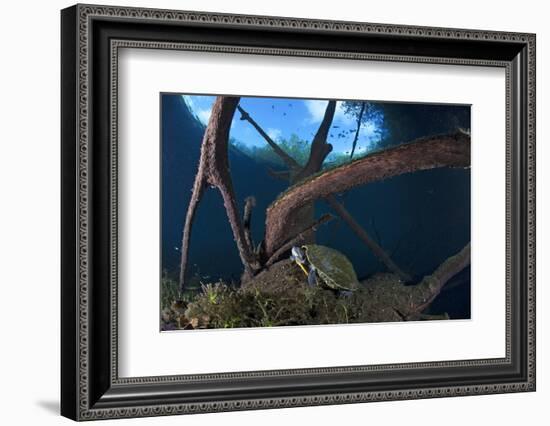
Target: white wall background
29 211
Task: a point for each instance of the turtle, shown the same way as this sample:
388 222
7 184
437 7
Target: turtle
326 265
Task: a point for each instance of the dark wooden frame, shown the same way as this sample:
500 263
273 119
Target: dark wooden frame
90 386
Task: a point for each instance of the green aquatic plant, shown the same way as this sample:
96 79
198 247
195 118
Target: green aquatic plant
169 291
218 306
212 292
286 302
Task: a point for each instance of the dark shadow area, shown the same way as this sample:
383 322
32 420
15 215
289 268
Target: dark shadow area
51 407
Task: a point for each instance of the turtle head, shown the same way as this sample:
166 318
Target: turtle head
297 255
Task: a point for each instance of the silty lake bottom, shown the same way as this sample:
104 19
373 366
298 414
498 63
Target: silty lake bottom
283 211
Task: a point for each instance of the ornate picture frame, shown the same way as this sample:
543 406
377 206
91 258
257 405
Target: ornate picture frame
91 37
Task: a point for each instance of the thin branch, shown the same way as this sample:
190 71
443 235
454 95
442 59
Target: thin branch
287 159
376 234
298 239
362 234
356 137
279 174
198 190
249 204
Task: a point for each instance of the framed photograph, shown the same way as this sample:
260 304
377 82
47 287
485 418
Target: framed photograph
263 212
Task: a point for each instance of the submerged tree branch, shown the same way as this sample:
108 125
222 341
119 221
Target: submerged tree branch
249 204
290 162
279 174
356 137
432 285
214 171
369 242
427 153
321 146
298 239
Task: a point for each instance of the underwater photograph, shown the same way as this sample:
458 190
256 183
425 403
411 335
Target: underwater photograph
288 211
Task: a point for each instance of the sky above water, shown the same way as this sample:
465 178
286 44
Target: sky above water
282 117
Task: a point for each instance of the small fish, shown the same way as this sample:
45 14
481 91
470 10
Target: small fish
335 127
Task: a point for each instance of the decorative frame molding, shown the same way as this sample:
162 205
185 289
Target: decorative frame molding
91 37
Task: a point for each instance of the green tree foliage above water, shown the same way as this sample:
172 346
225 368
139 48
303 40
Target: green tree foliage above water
294 146
367 115
392 123
365 112
406 122
396 123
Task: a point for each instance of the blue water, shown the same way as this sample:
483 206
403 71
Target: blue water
420 219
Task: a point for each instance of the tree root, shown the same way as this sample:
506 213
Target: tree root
426 153
213 171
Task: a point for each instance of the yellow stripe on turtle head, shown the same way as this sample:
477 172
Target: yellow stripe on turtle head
303 268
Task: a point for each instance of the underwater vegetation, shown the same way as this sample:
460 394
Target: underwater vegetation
282 296
286 277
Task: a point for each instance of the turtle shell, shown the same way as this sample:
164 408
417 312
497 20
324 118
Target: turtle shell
333 268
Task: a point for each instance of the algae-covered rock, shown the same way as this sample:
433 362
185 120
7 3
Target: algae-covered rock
281 296
278 296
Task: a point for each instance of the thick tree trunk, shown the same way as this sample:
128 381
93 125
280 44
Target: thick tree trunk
320 149
303 217
427 153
